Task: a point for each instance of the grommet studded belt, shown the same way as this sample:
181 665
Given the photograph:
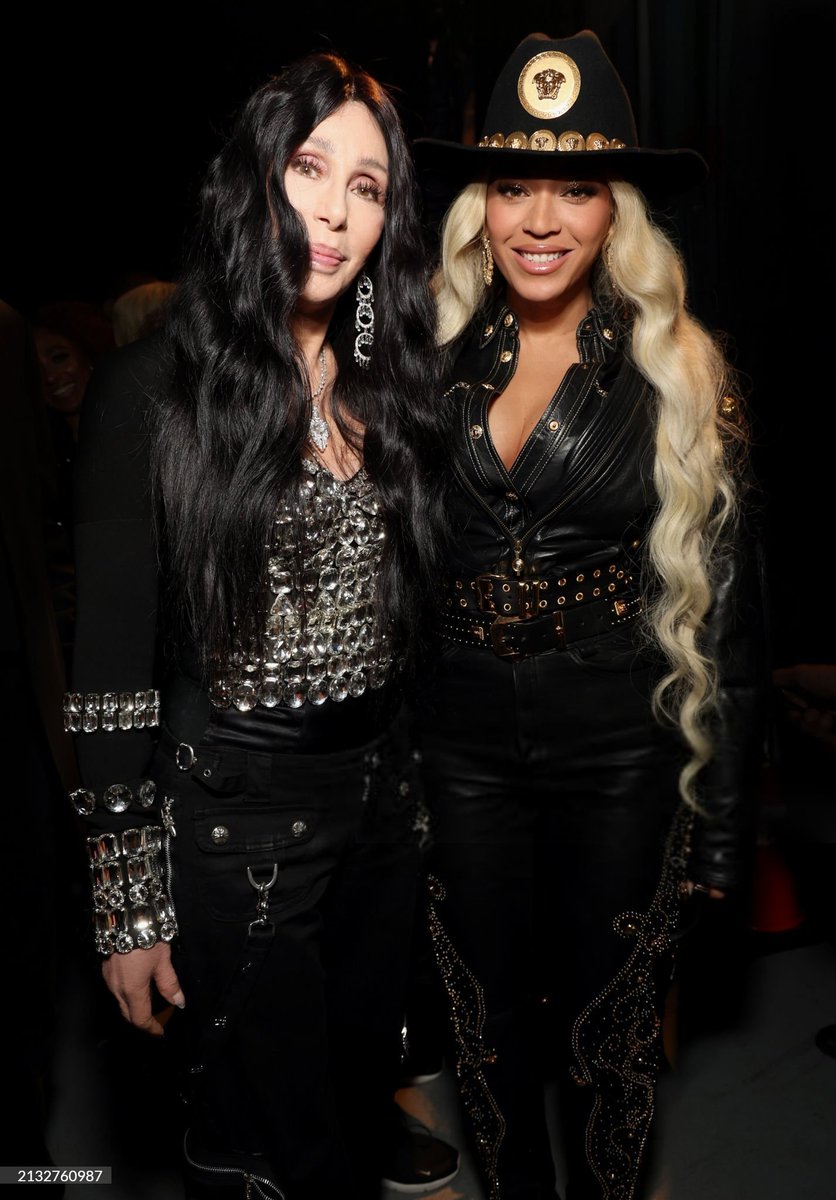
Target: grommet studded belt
519 617
515 637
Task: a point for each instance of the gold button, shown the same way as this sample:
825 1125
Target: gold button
554 425
511 496
509 320
608 334
488 330
476 432
505 356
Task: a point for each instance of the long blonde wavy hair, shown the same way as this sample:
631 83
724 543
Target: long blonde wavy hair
700 438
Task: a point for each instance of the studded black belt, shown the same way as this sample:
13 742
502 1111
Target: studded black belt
520 617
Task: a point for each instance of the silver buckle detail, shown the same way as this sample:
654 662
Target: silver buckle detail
185 756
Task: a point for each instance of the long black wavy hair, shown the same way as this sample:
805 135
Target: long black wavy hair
228 434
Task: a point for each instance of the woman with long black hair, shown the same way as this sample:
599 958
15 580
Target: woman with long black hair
257 524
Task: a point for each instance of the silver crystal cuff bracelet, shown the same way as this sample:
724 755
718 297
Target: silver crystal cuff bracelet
131 909
88 712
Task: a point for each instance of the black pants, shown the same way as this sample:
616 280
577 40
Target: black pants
554 893
294 993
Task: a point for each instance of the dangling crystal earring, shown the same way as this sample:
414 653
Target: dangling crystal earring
487 260
364 320
318 430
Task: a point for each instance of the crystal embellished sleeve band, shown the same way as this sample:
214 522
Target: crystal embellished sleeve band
111 710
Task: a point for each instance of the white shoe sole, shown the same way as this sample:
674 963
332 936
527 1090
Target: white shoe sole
419 1189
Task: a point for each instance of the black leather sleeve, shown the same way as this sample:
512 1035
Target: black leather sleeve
728 787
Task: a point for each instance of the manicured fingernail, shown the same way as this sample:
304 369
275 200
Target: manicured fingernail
179 999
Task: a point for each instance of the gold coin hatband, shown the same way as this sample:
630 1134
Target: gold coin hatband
544 139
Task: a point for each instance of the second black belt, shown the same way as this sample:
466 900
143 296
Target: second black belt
514 637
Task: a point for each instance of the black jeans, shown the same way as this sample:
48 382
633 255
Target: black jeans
294 992
554 892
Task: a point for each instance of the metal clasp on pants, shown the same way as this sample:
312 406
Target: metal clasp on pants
185 756
262 907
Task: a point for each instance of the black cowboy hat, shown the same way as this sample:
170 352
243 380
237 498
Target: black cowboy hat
561 101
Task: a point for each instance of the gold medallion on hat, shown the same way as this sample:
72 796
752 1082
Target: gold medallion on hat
570 139
548 85
516 140
542 139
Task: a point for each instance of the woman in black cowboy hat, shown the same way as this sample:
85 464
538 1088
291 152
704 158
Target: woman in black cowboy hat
591 731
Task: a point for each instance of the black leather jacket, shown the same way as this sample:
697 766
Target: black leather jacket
581 491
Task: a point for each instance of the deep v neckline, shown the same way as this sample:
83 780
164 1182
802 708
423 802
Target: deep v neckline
509 468
545 416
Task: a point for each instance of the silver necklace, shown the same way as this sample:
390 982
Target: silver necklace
318 430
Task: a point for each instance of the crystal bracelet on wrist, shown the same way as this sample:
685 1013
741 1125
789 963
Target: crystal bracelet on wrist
131 908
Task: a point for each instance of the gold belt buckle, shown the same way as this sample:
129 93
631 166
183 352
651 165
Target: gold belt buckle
489 589
528 598
497 632
484 587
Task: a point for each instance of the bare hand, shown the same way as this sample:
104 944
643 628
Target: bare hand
129 976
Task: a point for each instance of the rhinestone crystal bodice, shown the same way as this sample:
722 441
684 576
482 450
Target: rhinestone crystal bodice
321 639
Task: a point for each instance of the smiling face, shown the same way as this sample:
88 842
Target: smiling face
336 180
546 236
65 370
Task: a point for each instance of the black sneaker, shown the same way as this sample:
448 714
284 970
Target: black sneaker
419 1162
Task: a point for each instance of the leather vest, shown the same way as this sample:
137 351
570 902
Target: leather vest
580 489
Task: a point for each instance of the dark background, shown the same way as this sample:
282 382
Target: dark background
112 115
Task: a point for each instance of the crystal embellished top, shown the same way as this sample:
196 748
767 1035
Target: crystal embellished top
321 639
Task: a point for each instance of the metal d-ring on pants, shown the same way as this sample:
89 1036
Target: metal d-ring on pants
554 886
293 878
